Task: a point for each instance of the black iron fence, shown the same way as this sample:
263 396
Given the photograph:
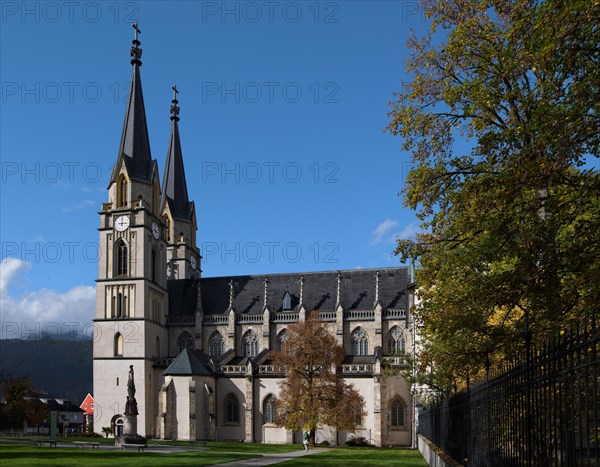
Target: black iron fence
543 410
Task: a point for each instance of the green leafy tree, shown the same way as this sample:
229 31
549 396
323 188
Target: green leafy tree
107 430
314 392
503 126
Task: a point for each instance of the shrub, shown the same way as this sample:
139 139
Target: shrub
358 441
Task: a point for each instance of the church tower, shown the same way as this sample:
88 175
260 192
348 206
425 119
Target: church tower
131 289
177 211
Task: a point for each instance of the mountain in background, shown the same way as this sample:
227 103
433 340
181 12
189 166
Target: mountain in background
60 368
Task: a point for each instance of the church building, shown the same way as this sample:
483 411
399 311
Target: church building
200 346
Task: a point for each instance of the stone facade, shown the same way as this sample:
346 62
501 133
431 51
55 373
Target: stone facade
200 346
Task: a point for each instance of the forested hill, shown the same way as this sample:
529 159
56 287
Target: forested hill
61 368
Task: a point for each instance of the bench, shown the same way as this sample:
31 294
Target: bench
39 442
81 444
139 447
197 443
160 441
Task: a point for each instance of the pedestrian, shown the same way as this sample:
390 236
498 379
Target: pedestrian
305 438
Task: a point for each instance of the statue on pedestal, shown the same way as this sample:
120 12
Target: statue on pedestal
130 435
131 404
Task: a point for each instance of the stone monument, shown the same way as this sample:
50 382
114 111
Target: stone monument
130 435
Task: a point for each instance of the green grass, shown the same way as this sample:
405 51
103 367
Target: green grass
362 457
251 448
219 452
21 454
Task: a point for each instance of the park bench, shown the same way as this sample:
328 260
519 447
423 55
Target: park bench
160 441
197 442
81 444
139 447
40 442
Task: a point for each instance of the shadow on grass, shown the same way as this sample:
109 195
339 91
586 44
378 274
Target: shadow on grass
362 457
28 455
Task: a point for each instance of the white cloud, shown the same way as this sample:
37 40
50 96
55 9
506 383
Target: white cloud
75 207
408 232
382 230
44 312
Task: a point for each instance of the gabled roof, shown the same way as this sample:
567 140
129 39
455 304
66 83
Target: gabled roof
189 362
319 291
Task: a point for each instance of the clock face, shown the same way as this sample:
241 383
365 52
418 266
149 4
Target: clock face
122 223
193 262
155 230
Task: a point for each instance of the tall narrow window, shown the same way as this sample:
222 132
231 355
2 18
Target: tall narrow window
359 342
167 228
281 338
215 345
397 413
250 344
122 192
122 261
185 341
232 409
119 305
157 346
155 193
358 415
118 351
396 342
154 265
270 409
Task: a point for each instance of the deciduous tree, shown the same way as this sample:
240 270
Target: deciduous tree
502 121
314 392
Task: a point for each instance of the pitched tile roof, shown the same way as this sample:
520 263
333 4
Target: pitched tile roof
319 291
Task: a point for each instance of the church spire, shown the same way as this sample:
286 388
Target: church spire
135 144
174 190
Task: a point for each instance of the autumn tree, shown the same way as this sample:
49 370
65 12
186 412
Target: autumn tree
501 118
314 392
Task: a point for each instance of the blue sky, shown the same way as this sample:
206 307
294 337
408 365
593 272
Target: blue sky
283 106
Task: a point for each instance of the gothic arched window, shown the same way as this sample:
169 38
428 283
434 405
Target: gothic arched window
396 342
185 341
359 342
122 191
270 409
232 409
122 259
167 228
118 351
397 413
215 345
250 344
281 338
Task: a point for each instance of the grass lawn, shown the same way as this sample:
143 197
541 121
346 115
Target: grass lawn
362 456
21 454
219 452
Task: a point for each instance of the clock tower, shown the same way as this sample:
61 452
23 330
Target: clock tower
131 289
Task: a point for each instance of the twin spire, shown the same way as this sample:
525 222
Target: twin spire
135 143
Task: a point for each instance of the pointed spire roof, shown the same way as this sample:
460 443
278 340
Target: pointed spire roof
135 143
174 190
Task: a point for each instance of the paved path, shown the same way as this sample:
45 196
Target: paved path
269 459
